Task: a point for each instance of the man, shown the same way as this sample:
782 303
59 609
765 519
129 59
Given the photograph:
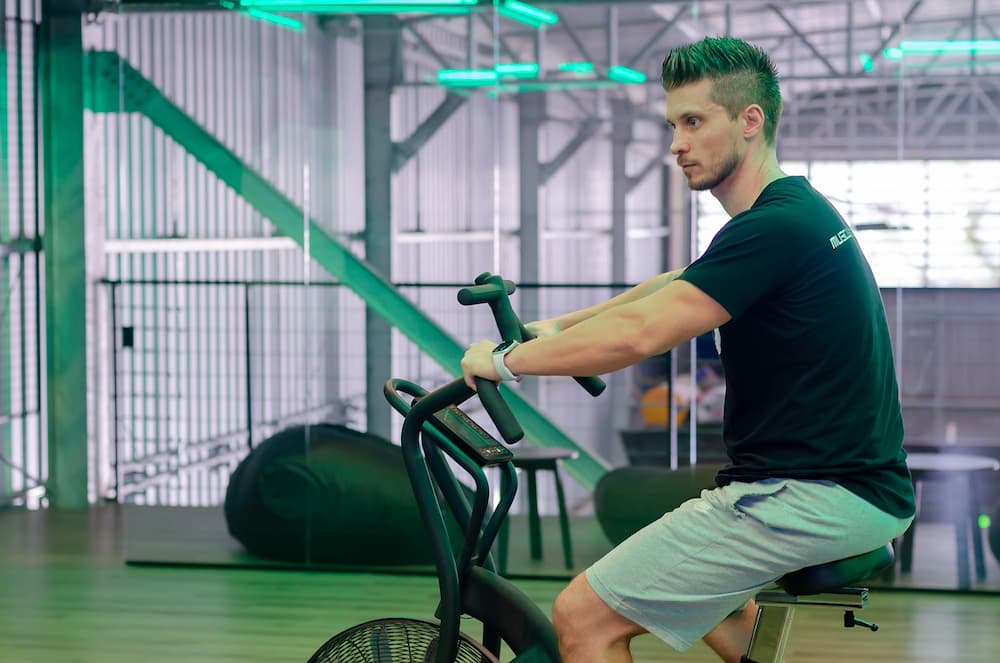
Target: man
812 421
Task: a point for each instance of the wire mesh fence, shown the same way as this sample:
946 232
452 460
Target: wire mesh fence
23 457
205 371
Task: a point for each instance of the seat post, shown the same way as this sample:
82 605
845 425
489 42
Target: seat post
770 634
823 584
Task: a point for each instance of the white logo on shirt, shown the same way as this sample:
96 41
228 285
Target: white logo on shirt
840 238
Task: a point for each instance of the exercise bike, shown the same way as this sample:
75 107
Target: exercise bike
434 429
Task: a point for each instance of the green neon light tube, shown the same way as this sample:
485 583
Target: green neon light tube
306 5
525 13
467 77
444 7
549 86
866 61
276 19
518 69
626 75
444 10
961 46
267 17
577 67
953 46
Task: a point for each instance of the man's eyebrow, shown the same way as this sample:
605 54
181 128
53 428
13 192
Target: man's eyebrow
683 116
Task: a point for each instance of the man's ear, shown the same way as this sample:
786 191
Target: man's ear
753 121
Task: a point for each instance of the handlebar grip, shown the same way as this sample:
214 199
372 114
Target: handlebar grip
482 293
476 294
592 384
494 290
498 410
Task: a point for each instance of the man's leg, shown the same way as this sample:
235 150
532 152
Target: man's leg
588 630
730 638
591 632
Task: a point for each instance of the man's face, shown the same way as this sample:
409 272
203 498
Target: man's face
708 145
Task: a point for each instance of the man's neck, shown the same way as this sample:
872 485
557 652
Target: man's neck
739 191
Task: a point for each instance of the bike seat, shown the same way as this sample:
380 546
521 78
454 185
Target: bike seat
838 573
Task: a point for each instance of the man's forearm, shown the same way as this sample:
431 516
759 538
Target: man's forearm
622 335
643 289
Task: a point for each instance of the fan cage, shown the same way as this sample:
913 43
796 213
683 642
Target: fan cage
395 640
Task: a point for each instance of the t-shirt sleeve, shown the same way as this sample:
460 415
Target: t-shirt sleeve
749 257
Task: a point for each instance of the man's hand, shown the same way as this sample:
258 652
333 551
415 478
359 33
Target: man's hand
478 361
543 328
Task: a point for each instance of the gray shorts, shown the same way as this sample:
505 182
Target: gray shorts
683 574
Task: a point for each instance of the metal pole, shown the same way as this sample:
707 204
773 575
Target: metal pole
249 367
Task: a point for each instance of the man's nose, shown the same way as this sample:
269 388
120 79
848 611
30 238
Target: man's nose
677 144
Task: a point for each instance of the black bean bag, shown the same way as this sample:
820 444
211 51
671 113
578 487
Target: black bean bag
327 494
629 498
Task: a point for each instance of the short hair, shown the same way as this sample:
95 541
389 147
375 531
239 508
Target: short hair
742 74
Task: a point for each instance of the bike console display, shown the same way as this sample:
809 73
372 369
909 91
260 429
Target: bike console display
470 437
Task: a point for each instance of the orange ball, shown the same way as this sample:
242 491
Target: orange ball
655 407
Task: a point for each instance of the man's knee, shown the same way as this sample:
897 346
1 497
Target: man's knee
571 608
583 619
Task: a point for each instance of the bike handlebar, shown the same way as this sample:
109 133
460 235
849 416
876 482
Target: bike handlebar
493 290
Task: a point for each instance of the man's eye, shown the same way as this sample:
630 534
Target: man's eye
693 121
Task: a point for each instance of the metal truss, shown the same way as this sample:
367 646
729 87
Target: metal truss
950 118
841 91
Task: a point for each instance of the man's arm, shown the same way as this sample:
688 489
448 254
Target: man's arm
567 320
610 340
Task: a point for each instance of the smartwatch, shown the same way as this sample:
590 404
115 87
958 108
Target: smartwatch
499 352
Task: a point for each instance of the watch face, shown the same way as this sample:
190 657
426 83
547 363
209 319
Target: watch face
505 346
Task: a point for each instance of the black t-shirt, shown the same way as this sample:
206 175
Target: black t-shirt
810 384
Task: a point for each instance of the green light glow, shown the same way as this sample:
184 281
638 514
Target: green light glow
525 13
866 61
893 54
626 75
577 67
984 521
518 69
467 77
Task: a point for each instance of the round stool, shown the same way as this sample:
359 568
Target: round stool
531 460
964 468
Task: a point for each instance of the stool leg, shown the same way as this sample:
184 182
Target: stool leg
962 550
534 521
977 535
563 520
906 549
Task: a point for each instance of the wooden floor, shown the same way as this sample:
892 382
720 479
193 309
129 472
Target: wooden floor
67 595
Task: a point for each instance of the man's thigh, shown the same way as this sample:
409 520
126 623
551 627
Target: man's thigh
682 575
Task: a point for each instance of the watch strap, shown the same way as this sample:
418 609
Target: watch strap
499 353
